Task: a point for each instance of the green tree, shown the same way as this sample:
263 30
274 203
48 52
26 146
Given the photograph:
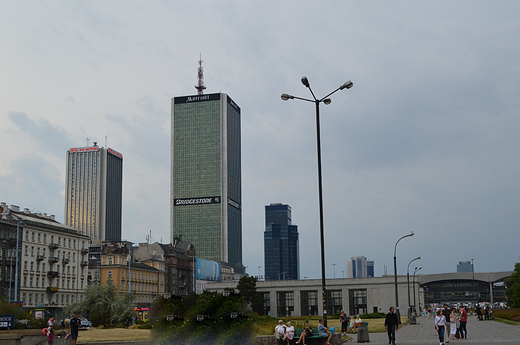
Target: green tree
247 289
104 305
513 288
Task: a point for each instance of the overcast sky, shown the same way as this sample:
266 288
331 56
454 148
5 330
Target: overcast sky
426 140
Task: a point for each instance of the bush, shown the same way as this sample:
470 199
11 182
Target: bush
372 316
508 314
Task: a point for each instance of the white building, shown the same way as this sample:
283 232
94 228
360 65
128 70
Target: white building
53 259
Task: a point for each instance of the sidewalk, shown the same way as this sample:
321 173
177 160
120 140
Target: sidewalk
424 332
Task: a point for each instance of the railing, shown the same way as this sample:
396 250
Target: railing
53 259
53 245
40 257
53 274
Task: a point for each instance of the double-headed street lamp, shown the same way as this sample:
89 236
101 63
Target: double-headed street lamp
414 305
395 279
317 102
408 284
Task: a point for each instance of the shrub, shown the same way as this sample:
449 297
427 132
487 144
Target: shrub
372 316
508 314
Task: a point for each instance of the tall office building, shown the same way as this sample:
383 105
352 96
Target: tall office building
281 244
206 182
94 192
464 266
360 267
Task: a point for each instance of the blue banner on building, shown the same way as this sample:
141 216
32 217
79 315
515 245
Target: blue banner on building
207 270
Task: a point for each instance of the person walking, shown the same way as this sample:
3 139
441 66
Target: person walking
447 312
344 322
74 327
463 322
440 322
391 325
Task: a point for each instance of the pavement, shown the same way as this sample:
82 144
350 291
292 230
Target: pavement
484 332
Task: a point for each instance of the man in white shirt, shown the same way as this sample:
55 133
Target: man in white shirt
279 331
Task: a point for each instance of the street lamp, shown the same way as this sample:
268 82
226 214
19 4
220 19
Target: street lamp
415 305
334 265
395 278
408 284
317 102
474 295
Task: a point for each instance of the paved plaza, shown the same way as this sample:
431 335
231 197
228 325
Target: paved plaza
484 332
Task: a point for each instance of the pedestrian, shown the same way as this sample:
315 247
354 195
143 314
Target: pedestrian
440 322
344 322
50 335
463 322
391 325
447 312
73 327
453 321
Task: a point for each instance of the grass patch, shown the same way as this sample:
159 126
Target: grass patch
508 314
506 321
94 335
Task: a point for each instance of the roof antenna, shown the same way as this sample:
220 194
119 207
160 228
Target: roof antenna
200 87
88 141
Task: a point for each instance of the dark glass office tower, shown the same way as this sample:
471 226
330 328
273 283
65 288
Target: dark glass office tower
206 182
94 192
281 244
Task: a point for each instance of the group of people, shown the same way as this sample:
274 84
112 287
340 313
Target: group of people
450 322
72 325
285 333
348 323
487 313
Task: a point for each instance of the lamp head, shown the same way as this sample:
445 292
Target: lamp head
305 81
286 97
327 101
347 85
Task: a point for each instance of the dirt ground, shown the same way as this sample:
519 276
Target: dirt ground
114 334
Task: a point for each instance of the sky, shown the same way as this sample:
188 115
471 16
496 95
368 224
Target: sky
426 141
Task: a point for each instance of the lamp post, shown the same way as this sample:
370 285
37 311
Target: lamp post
395 279
334 266
415 305
473 284
17 255
408 284
317 102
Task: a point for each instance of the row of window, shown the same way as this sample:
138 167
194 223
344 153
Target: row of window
37 237
25 266
62 299
36 280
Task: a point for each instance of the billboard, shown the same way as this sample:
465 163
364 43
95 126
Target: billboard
207 270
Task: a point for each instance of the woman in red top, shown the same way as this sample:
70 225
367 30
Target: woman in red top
463 321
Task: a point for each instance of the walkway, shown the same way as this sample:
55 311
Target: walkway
488 332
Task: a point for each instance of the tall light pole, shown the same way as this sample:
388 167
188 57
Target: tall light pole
317 102
415 305
408 284
17 255
474 295
395 278
334 266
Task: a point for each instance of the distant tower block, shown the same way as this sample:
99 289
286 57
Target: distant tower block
200 87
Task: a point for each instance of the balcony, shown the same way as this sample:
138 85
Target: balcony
52 289
53 245
84 263
84 250
40 257
53 259
53 274
65 261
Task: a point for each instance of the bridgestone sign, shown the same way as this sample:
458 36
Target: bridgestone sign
197 201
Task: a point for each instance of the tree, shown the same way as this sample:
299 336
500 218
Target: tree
247 289
513 288
104 304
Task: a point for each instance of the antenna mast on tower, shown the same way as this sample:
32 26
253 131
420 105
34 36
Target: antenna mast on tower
200 87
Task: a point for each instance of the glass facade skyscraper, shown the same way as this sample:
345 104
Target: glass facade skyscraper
94 192
281 244
206 182
360 267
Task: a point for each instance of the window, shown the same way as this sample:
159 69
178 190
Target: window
32 266
109 274
73 270
32 251
358 301
334 301
73 256
24 281
44 238
37 282
27 235
43 266
69 242
39 238
30 298
32 237
30 281
26 250
38 266
123 274
74 244
309 303
59 243
25 265
285 303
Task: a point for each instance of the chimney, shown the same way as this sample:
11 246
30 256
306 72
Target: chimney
53 217
44 215
26 211
15 208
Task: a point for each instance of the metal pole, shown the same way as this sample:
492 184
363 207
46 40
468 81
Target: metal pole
10 274
320 192
397 311
474 295
129 260
16 268
408 287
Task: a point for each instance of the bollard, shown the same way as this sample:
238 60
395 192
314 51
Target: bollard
413 320
362 333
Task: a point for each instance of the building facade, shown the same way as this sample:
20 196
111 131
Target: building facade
52 261
360 267
93 192
464 266
281 244
8 231
206 188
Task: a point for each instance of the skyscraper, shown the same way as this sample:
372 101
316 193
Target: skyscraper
360 267
94 192
281 244
206 182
